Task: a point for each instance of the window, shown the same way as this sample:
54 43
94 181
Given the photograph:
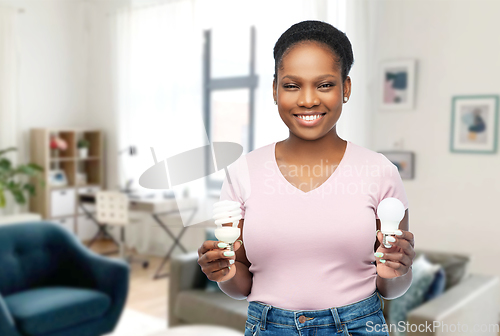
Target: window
229 100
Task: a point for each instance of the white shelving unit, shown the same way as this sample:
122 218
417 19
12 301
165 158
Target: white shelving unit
60 203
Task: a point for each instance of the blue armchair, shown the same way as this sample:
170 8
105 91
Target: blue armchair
52 285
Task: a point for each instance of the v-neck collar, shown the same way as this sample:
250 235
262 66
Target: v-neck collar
331 177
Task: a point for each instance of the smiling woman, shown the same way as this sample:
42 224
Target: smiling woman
323 276
309 89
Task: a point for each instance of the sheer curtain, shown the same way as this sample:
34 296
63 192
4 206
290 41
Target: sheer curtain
158 53
158 99
9 131
356 114
158 96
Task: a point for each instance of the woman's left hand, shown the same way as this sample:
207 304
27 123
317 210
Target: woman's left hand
398 258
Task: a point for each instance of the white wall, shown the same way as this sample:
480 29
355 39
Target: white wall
454 197
53 70
64 74
101 108
65 81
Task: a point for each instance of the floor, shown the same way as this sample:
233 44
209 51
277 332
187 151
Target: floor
146 295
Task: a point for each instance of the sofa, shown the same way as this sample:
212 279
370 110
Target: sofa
52 285
468 298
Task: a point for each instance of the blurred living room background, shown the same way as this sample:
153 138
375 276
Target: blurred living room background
139 81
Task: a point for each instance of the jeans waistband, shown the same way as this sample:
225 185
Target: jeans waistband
342 314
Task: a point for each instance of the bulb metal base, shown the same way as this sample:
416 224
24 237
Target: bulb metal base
384 240
230 246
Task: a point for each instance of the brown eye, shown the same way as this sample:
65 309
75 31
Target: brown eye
290 86
326 85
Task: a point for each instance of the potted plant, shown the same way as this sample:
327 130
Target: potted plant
57 144
16 179
83 148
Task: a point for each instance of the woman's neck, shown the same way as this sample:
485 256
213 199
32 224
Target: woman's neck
298 149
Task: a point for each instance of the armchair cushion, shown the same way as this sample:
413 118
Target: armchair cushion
44 310
43 256
201 307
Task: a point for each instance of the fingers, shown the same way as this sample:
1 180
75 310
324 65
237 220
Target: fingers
401 268
210 245
218 275
214 255
215 259
393 259
238 244
218 269
215 245
399 256
408 236
380 237
405 241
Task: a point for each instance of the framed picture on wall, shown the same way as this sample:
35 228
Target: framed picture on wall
405 161
397 82
474 121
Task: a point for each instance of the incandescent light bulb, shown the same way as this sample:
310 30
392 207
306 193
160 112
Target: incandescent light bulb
390 211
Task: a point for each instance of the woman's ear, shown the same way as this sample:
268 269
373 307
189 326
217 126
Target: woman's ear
274 90
347 87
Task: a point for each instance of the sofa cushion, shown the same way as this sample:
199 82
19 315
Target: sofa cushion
454 265
437 286
44 310
202 307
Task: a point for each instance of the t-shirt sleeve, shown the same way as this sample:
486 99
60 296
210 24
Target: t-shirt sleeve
240 190
391 184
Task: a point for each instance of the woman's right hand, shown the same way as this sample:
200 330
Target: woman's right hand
217 266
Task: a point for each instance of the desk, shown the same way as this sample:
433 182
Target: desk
155 207
19 218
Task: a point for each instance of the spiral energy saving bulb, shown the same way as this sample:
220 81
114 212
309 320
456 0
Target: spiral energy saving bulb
227 212
390 211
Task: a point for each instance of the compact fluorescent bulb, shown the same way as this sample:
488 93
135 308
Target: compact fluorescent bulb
227 212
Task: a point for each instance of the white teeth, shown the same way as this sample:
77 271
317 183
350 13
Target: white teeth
309 118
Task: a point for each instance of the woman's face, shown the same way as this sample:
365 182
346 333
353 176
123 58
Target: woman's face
310 83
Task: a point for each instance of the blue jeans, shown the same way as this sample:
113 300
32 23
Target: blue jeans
357 319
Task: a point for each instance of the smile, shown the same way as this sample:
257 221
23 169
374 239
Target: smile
309 120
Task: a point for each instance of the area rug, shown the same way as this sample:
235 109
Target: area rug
134 323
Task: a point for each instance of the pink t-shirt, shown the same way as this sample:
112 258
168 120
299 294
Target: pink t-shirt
312 250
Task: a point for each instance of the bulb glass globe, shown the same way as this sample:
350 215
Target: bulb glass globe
390 211
227 212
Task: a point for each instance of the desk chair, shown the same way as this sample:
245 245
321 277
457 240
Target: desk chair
112 209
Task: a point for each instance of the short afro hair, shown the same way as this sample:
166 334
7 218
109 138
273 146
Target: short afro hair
317 31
